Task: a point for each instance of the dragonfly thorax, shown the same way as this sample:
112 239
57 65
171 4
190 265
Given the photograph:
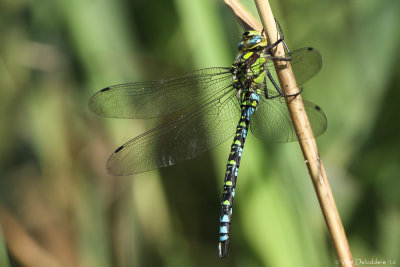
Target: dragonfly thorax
249 72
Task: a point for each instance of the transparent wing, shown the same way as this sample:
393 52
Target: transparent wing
145 100
181 139
271 121
305 63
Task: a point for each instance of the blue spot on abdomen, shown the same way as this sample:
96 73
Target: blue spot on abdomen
224 219
223 230
223 238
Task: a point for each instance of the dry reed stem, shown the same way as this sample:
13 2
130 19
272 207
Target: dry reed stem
243 15
306 140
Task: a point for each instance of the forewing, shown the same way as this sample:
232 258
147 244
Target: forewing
305 63
181 139
145 100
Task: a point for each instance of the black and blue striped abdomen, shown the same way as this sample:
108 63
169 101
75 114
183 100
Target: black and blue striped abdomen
248 107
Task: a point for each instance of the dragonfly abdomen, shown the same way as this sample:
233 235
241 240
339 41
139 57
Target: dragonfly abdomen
248 107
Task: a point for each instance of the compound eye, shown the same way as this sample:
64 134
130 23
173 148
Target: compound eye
250 40
254 41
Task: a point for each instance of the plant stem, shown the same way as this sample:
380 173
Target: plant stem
246 20
306 139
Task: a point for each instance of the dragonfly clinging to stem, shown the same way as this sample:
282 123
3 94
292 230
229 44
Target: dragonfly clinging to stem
207 107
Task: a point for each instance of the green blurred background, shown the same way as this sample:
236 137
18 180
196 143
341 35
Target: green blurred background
59 207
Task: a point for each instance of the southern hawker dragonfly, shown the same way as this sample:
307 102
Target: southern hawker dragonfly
207 107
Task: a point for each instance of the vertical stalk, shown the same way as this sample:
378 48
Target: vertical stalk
306 139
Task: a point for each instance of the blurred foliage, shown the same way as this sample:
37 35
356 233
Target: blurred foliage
58 206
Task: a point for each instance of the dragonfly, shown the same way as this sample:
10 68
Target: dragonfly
206 107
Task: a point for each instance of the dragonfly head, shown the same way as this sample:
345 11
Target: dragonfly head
252 40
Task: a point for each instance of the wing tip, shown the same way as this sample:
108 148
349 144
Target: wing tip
94 105
118 169
323 118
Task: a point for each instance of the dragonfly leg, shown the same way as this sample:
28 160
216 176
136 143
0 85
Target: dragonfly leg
274 44
281 94
278 89
295 94
281 39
